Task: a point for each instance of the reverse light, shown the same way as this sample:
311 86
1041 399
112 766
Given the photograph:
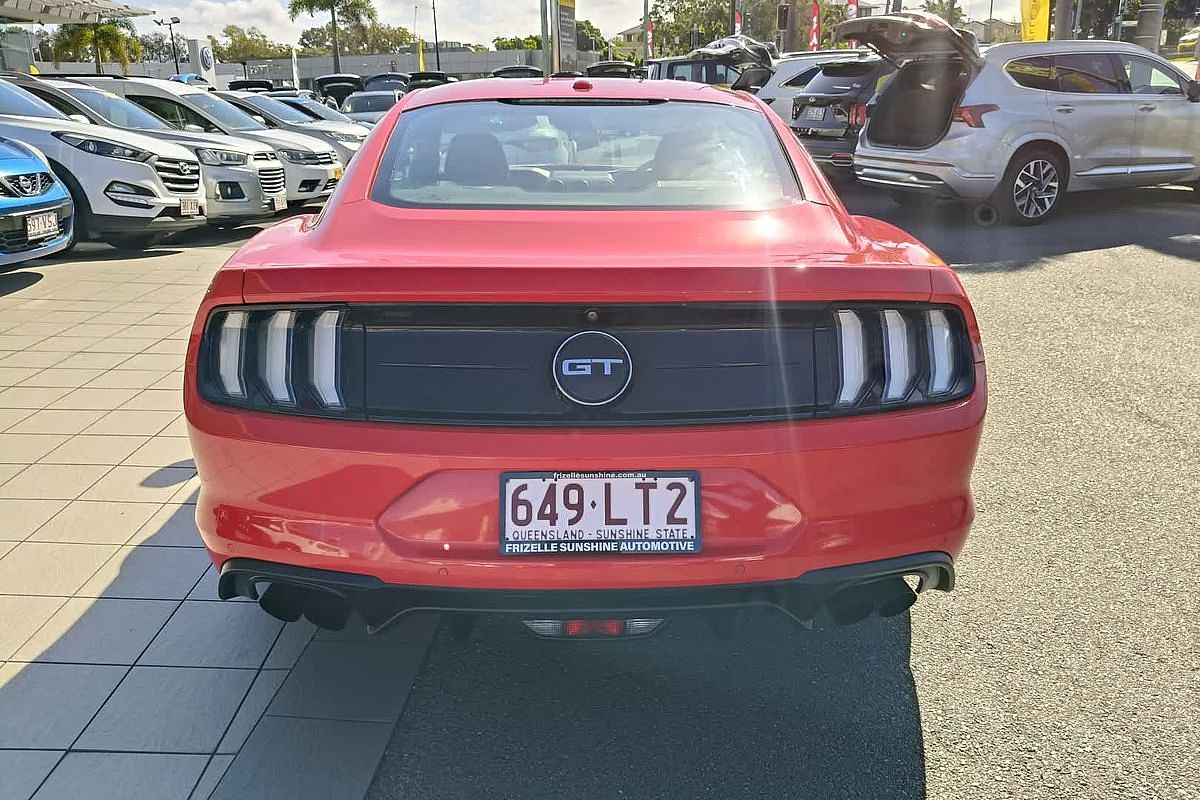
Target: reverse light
898 356
229 353
324 363
276 355
854 357
941 352
973 115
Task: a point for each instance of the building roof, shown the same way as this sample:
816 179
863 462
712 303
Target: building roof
66 11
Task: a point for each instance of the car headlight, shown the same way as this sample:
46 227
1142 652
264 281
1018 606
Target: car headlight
103 147
299 156
220 158
348 138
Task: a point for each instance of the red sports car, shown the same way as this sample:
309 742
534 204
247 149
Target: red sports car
591 352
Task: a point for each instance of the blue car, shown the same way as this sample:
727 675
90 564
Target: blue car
36 213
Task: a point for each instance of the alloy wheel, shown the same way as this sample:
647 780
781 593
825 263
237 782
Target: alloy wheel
1036 188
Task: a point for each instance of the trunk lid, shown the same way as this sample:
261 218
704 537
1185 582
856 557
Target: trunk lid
825 106
910 35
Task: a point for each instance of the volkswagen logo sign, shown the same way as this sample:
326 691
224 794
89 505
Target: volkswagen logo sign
206 57
592 368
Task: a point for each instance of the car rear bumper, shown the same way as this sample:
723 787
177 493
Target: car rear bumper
926 176
830 151
380 603
417 505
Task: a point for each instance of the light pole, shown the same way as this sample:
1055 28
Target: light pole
171 23
437 50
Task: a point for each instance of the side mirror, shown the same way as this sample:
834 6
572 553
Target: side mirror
79 118
193 128
1193 91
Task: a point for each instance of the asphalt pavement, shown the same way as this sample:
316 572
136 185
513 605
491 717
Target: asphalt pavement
1066 664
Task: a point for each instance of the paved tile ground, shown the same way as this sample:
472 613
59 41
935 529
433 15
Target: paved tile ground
121 675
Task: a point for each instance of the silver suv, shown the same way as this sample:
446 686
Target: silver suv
1014 128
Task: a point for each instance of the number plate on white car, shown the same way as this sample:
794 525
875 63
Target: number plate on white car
279 202
189 207
39 226
634 513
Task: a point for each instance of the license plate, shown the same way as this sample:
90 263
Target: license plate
279 202
39 226
189 208
815 113
337 173
622 513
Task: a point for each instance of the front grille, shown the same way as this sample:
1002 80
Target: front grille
179 176
719 363
30 184
331 183
324 158
272 180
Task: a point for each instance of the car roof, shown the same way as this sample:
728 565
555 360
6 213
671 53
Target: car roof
597 89
1017 49
374 93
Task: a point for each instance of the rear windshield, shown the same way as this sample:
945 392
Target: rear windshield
358 103
597 155
843 78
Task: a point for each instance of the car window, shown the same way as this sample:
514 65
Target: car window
227 114
1146 77
599 155
173 112
358 103
318 110
117 110
274 108
18 102
1033 73
64 107
843 78
1088 73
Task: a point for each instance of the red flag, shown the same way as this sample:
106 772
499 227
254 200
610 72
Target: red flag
814 33
650 38
851 9
737 23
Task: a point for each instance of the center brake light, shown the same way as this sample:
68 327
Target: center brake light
973 115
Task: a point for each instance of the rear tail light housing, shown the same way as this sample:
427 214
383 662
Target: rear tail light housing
972 115
292 359
901 356
857 116
592 628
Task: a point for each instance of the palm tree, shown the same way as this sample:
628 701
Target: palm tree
356 12
101 41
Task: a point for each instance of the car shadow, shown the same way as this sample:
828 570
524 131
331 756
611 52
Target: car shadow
1162 219
774 711
13 282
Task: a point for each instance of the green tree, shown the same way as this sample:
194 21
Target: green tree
946 9
588 37
243 44
356 39
112 40
675 20
156 47
352 11
530 42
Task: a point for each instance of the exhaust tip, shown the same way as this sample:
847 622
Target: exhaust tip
326 610
283 602
897 597
850 606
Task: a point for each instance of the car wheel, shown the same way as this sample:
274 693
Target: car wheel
134 241
1032 188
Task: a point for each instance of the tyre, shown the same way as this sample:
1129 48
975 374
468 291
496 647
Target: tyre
1032 188
133 241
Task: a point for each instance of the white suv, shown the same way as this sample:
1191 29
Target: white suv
129 190
1014 128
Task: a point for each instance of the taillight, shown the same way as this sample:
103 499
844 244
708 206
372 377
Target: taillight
858 115
282 359
903 356
973 115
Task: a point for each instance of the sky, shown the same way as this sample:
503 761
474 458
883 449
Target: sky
476 21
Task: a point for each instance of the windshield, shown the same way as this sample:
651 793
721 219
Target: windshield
271 107
358 103
20 103
839 78
227 114
118 111
673 155
317 110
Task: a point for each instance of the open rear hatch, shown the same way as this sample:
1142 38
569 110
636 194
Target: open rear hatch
937 63
751 58
338 86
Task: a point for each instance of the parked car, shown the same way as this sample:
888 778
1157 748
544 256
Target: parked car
311 166
517 71
314 108
367 108
832 108
36 213
697 70
1187 43
128 190
1013 129
612 69
386 81
705 386
793 74
251 85
243 179
335 88
345 137
427 79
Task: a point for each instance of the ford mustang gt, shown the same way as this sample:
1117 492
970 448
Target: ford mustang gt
590 352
